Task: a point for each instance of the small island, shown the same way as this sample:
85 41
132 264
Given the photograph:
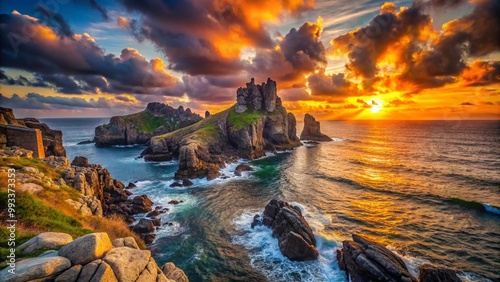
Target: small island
256 124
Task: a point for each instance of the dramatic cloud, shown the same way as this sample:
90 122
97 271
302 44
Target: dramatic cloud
297 55
37 101
76 64
206 37
333 85
400 50
99 8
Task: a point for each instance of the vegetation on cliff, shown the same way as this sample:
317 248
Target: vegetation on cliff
47 209
138 128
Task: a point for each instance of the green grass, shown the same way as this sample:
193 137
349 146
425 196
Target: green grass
35 214
33 162
240 121
146 122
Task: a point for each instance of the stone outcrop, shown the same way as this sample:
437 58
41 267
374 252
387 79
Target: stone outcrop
257 97
295 237
138 128
431 273
93 258
52 139
256 124
366 260
312 130
47 240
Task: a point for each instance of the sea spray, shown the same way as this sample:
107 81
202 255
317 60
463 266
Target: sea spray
266 256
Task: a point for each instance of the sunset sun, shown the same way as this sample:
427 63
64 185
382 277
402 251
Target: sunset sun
376 108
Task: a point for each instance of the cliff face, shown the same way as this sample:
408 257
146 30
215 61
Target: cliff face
138 128
52 139
256 124
312 130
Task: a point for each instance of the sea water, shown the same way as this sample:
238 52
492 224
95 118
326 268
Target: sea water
429 190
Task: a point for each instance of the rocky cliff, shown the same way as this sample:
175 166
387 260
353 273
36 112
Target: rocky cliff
256 124
138 128
312 130
52 139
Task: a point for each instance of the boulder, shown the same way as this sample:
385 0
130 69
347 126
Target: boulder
312 131
127 263
295 237
104 273
80 161
174 273
89 270
148 238
366 260
42 268
47 240
431 273
86 248
242 167
141 204
144 226
125 242
70 275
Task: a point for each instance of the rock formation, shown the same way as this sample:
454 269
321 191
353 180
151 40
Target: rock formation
431 273
256 124
295 237
365 260
138 128
257 97
93 257
52 139
312 130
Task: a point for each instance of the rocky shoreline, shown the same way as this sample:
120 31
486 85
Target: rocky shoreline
362 259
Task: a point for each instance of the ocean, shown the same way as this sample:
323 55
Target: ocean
429 190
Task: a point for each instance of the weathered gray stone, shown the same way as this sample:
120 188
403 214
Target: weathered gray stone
174 273
312 131
70 275
127 263
125 242
86 248
104 273
44 268
46 240
89 270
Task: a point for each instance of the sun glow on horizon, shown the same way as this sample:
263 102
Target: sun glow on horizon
376 106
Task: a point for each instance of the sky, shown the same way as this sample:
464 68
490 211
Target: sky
337 60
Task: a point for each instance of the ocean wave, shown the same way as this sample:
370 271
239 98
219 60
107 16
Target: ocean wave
128 146
266 257
483 207
337 139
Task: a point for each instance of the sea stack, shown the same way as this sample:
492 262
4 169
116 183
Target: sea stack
312 130
295 237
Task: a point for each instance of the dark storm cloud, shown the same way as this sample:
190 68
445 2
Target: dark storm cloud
206 37
55 20
300 53
423 57
331 85
22 81
99 8
37 101
466 104
70 62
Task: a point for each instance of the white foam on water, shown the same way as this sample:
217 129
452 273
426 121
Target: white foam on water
127 146
266 256
412 263
166 163
491 209
338 139
472 277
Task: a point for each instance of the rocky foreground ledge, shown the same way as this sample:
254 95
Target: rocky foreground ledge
92 257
